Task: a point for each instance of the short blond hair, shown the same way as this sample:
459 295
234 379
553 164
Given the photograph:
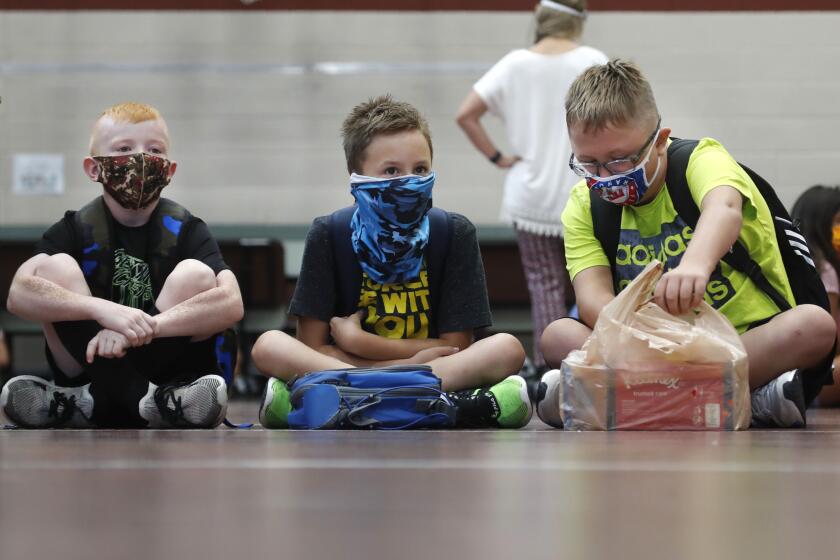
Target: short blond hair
132 112
129 112
379 115
615 93
554 23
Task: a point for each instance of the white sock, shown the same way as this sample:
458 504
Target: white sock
148 408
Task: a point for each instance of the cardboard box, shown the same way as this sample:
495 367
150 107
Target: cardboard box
586 396
652 396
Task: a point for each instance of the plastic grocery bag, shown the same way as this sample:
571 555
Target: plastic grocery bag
643 368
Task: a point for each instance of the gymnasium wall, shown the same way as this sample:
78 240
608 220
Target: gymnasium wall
254 97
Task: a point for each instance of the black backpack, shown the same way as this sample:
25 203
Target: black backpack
805 282
348 273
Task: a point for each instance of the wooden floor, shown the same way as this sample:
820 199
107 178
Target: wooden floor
533 493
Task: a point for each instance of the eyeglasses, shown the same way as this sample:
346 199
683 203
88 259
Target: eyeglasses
615 166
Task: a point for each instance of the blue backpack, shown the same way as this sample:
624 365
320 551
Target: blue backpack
384 398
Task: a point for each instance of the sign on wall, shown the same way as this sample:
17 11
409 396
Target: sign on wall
38 174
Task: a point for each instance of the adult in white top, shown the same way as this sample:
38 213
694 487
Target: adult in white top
527 90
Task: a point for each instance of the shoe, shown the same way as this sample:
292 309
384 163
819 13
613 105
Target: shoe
511 395
33 402
198 404
780 403
550 398
533 381
276 405
504 405
528 369
532 373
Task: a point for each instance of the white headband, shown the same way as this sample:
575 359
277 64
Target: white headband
561 8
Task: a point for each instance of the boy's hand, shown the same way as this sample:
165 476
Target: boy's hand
108 344
137 327
344 330
681 289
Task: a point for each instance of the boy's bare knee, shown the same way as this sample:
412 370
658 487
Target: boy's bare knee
258 350
189 278
561 337
808 331
552 336
194 274
509 351
261 352
822 329
61 269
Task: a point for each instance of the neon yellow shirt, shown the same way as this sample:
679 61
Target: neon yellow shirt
655 231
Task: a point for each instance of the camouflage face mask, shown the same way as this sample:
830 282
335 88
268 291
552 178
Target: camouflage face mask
135 180
390 227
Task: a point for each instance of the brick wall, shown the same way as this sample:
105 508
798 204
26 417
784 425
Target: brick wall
254 109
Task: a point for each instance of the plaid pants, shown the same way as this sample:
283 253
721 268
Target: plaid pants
544 263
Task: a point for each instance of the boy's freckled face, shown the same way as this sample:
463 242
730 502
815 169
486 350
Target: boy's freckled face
397 154
122 138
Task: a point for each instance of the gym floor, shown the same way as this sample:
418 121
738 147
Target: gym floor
533 493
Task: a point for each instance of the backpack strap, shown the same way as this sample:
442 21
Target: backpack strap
165 238
94 227
738 257
440 239
606 225
348 273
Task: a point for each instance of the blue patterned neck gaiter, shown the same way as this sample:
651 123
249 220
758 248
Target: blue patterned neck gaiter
390 228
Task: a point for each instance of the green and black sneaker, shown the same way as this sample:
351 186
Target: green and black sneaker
504 405
276 405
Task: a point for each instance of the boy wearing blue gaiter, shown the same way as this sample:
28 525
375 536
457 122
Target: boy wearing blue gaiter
392 280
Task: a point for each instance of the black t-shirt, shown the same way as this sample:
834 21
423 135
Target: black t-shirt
463 293
132 285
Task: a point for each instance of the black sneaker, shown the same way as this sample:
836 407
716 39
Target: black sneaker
198 404
33 402
533 379
780 403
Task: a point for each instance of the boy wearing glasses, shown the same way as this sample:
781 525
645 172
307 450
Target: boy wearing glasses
620 150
